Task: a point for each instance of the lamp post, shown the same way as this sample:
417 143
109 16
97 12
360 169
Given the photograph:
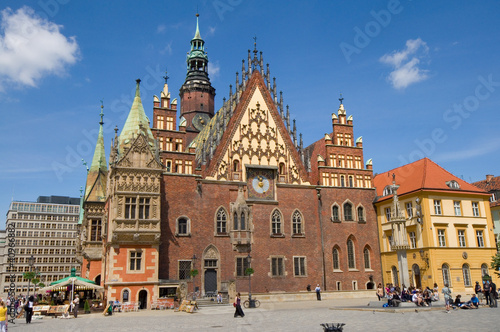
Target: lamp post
194 273
31 261
251 303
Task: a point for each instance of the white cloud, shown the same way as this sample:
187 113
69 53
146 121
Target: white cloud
211 31
406 64
214 69
480 150
31 47
167 49
161 28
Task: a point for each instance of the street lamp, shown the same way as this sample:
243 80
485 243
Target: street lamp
31 261
251 303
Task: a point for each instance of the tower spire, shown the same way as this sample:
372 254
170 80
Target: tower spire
97 173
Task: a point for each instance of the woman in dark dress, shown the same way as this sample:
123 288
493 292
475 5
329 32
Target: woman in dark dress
237 304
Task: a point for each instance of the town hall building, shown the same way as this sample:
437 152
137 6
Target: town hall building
193 197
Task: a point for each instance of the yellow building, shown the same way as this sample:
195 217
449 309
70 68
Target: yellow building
449 228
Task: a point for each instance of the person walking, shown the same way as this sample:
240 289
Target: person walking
28 307
76 304
3 317
237 305
447 297
318 292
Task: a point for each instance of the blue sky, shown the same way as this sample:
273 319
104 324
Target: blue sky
421 78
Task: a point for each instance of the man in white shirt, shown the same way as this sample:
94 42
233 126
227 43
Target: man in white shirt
76 304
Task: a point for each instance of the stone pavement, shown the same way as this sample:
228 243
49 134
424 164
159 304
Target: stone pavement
282 316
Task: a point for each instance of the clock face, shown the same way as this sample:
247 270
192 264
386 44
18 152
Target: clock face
200 120
260 183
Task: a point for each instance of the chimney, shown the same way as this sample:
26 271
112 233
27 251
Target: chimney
489 177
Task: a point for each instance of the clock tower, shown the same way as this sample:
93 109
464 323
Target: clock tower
197 94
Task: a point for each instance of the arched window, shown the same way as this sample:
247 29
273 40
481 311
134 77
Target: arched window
351 181
125 297
183 226
446 275
335 256
347 211
282 168
242 221
297 223
350 255
221 221
335 213
466 274
366 255
395 280
361 214
342 181
235 221
276 223
484 270
236 166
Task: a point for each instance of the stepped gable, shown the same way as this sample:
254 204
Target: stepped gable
219 162
422 174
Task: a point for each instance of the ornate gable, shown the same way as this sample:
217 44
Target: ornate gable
256 136
139 155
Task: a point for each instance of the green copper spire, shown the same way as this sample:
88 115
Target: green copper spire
137 122
197 33
96 175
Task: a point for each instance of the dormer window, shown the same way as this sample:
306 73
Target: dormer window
387 191
453 184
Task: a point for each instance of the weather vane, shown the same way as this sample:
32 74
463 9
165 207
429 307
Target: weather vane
341 99
166 76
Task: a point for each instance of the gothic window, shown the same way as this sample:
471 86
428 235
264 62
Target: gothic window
143 208
351 181
335 213
347 211
336 259
236 166
183 226
235 217
135 260
130 203
361 214
95 230
350 255
342 181
297 223
446 275
242 221
282 168
366 256
184 269
168 165
125 296
221 221
276 223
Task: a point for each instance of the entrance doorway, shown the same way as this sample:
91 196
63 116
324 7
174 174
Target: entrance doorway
416 276
143 299
210 282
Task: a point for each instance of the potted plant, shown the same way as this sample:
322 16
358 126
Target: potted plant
86 307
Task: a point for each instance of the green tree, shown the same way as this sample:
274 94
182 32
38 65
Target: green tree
249 271
193 273
495 263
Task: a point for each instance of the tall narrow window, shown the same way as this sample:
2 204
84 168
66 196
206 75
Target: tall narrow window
388 214
446 275
95 231
350 255
125 296
182 226
221 221
342 181
235 221
366 254
277 267
413 240
437 207
347 211
241 266
351 181
335 256
457 208
242 221
335 213
143 208
461 238
409 210
480 239
135 261
130 207
484 270
442 237
297 223
276 223
466 274
361 214
475 209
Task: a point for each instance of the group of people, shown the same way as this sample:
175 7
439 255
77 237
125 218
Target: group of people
395 295
489 291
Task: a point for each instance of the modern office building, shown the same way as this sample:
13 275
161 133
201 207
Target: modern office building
45 233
